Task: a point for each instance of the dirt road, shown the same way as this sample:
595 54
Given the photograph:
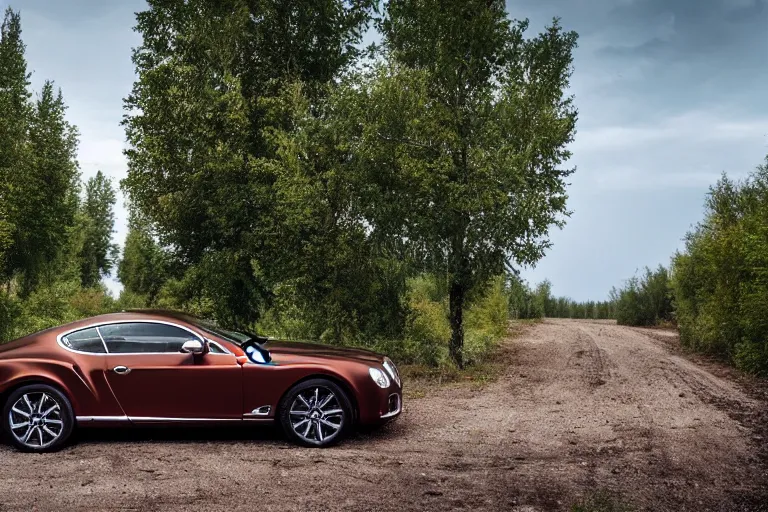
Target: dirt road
582 407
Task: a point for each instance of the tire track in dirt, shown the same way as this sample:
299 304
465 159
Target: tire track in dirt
596 373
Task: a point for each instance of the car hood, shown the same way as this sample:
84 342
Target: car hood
286 351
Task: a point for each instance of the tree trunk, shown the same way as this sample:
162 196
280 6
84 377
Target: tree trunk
457 323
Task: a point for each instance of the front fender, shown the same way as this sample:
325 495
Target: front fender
265 385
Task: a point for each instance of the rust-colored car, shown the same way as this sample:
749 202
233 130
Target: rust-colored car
160 367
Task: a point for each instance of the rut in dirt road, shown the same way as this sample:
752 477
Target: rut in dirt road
582 406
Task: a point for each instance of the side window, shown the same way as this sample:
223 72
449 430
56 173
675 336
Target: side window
87 340
132 338
215 348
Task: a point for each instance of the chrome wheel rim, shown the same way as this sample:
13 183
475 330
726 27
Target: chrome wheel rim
316 415
35 420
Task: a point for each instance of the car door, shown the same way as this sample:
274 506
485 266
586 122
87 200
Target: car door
90 360
154 381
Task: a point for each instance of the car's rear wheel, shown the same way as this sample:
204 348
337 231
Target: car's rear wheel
37 418
316 413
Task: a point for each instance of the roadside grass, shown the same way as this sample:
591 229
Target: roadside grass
601 501
420 378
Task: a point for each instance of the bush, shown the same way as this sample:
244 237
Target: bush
486 322
9 312
645 301
53 304
752 357
720 281
427 329
523 303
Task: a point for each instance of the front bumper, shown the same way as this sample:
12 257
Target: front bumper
378 406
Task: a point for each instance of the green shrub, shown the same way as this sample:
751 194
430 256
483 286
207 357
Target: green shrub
131 300
646 300
427 329
752 357
59 302
720 280
486 321
9 313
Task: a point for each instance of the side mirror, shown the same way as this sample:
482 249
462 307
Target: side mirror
193 347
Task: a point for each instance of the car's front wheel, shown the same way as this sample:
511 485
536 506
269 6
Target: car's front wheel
37 418
315 413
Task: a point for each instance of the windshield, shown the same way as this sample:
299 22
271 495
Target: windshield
237 337
249 342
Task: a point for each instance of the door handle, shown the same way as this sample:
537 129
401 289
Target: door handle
121 370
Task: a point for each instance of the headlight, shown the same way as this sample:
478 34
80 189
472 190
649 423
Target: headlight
379 377
392 370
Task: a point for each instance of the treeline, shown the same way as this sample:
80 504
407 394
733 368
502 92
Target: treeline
717 288
645 300
55 236
283 178
527 303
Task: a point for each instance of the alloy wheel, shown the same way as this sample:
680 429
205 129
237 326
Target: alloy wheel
316 415
35 420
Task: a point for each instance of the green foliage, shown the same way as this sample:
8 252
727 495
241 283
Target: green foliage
44 234
9 312
486 321
15 114
522 302
720 281
645 301
219 165
428 328
45 191
98 254
458 137
271 186
38 171
540 303
144 267
60 302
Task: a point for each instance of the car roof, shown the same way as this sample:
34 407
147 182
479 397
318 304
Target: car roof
129 315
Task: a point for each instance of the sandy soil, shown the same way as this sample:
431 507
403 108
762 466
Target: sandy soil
582 407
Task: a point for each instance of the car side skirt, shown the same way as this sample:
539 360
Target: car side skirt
153 419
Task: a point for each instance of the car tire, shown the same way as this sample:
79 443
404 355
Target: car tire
37 418
316 413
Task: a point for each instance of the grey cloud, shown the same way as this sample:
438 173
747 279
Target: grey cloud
697 28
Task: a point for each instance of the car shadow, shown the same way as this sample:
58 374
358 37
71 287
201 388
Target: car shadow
270 434
177 434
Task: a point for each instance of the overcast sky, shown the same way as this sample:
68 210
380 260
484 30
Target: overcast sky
671 93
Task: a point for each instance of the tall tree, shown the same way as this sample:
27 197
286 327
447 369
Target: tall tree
39 175
459 139
201 122
143 268
98 254
48 191
14 121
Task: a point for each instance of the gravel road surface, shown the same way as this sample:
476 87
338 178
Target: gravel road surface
582 408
